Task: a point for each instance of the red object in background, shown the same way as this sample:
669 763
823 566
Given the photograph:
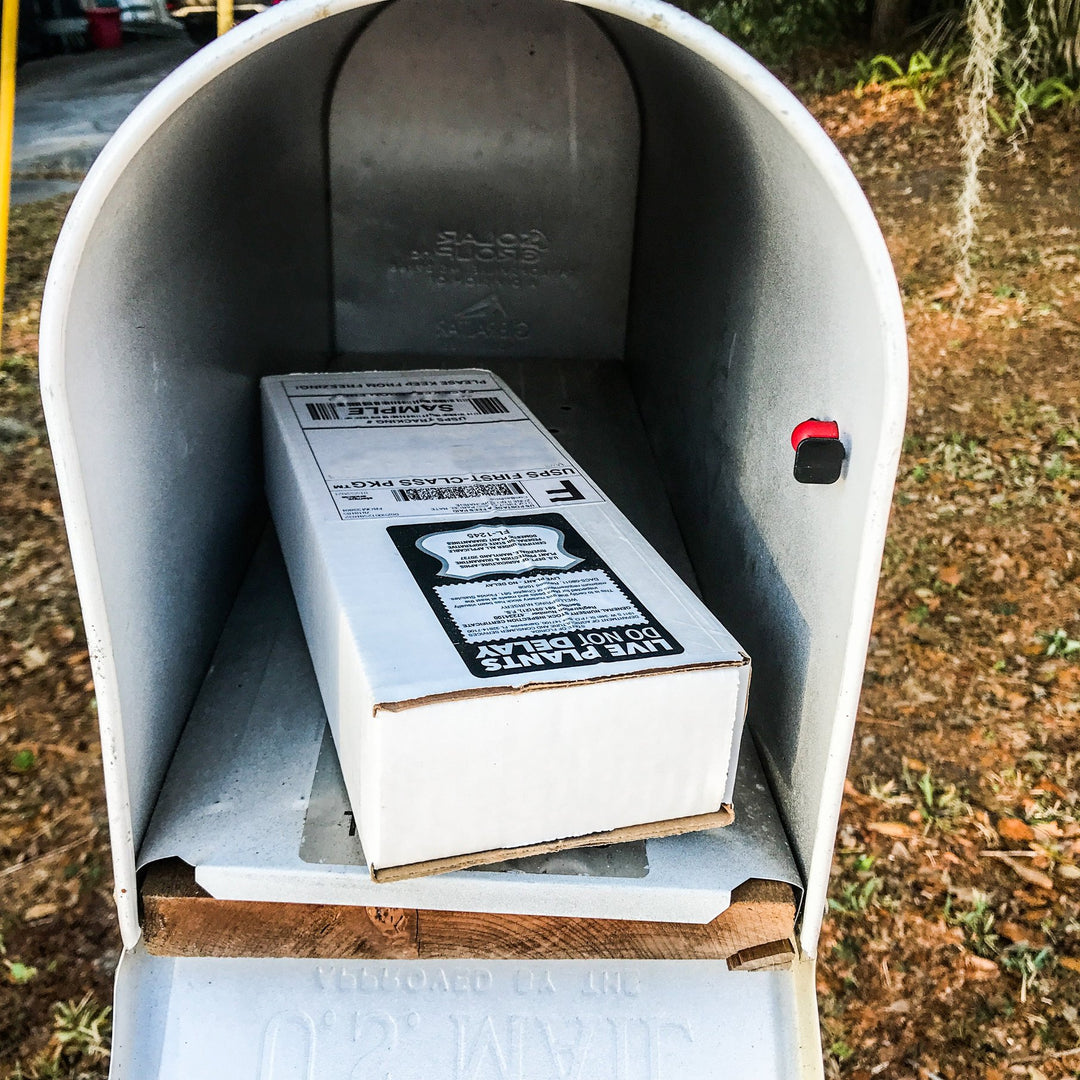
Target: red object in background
105 32
814 429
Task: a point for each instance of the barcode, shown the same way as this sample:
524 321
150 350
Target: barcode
465 491
487 406
320 410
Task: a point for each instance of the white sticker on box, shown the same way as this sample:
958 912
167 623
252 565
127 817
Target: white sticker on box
470 553
404 408
330 412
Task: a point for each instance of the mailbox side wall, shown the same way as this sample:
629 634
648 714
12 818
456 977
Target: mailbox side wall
205 267
763 295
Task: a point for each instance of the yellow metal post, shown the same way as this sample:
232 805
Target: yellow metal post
224 16
9 36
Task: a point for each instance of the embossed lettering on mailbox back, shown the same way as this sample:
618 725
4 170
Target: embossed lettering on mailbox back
462 1022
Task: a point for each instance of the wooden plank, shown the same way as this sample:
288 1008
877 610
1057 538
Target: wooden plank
719 819
761 911
770 956
181 919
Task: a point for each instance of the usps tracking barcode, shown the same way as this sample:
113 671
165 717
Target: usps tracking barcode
488 406
464 491
328 410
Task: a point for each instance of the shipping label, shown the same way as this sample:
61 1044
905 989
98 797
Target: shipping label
330 411
466 493
408 400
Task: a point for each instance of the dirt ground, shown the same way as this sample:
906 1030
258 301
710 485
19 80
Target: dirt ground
953 947
952 950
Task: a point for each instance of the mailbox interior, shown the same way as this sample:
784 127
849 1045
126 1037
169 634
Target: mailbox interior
731 267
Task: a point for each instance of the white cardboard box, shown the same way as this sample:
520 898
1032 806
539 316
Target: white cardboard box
505 661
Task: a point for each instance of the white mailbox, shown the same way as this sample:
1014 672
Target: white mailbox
641 231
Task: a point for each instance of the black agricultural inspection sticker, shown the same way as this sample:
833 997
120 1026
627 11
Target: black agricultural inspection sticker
519 594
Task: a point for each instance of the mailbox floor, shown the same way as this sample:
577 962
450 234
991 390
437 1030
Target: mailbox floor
953 947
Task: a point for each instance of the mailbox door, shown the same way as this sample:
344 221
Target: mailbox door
178 1018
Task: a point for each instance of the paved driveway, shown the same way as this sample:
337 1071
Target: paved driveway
66 107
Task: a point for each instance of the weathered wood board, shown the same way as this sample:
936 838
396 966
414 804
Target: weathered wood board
181 919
